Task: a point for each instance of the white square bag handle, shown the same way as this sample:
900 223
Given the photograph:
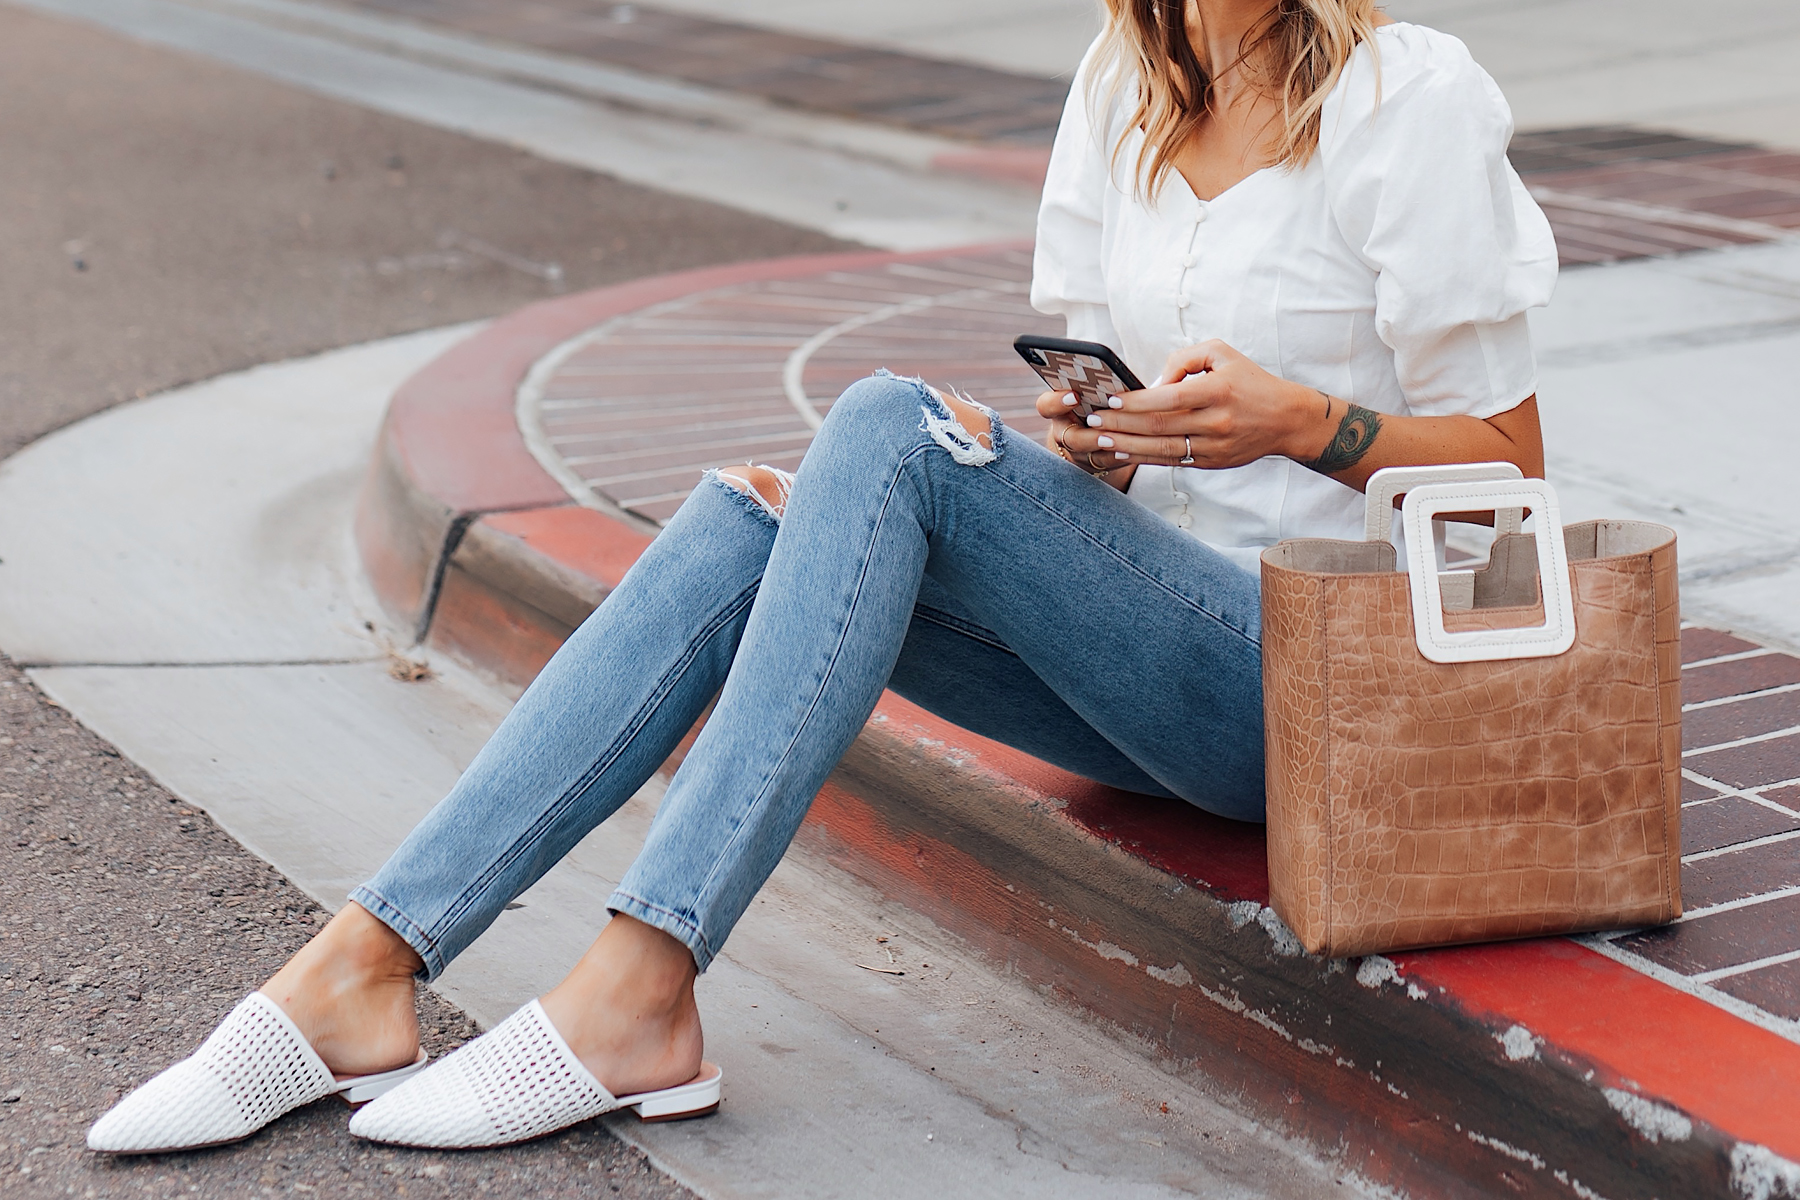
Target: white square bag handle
1385 484
1475 487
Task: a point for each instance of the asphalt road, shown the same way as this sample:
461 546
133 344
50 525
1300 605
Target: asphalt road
164 220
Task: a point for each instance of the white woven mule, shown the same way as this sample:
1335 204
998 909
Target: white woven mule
518 1081
253 1068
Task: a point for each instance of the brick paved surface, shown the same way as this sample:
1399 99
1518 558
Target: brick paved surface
1740 827
956 99
648 401
1613 193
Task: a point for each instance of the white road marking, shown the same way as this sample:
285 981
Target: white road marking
1751 740
1752 844
1694 914
1716 659
1697 705
1661 215
1773 960
1754 795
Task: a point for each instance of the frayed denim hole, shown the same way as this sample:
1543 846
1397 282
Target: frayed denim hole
780 482
943 427
913 381
745 500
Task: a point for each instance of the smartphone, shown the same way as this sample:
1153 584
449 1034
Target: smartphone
1088 369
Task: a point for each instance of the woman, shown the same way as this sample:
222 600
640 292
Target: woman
1305 213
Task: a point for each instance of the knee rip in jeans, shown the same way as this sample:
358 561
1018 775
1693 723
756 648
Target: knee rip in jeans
769 487
962 426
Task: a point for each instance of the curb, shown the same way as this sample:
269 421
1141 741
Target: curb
1529 1068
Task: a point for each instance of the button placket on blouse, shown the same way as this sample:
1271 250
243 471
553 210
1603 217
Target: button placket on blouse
1182 300
1183 519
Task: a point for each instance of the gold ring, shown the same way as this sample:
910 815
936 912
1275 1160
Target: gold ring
1062 447
1097 471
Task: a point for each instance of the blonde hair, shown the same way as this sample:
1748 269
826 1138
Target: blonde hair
1298 51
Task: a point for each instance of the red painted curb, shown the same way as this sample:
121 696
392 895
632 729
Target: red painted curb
453 421
1149 914
1640 1034
1711 1064
579 538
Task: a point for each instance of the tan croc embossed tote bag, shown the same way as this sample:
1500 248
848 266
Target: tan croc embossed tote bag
1463 756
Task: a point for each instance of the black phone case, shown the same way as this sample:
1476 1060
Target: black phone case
1088 369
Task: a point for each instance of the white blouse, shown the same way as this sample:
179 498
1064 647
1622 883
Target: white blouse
1393 270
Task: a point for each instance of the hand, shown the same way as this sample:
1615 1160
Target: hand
1211 403
1055 407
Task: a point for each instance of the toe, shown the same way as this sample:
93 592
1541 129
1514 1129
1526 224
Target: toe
184 1106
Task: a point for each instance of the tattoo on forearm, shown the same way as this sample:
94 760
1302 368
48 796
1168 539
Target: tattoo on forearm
1355 434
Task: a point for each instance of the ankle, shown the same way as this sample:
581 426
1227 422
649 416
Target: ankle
627 1010
350 990
367 945
366 965
354 954
647 960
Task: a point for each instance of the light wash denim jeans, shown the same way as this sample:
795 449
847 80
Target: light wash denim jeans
1004 590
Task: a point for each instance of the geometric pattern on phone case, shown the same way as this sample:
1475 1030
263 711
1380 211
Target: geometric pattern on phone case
1090 379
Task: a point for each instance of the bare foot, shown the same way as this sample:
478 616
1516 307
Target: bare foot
350 990
627 1009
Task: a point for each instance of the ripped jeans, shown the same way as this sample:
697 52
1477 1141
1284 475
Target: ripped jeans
1003 589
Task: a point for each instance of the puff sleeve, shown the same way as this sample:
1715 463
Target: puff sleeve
1419 185
1067 276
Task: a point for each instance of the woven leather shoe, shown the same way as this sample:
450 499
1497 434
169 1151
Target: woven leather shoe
254 1067
518 1081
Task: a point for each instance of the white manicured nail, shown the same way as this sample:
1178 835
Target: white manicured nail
1114 402
1069 400
1120 455
1106 443
1093 420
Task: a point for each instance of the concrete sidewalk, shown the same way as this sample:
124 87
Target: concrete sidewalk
1668 392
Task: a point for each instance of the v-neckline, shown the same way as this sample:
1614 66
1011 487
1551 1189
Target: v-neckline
1225 192
1260 170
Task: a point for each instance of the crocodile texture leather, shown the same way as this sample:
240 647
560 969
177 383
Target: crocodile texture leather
1414 803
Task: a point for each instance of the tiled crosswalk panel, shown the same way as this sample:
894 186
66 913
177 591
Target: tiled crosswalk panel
1740 815
744 374
1614 192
